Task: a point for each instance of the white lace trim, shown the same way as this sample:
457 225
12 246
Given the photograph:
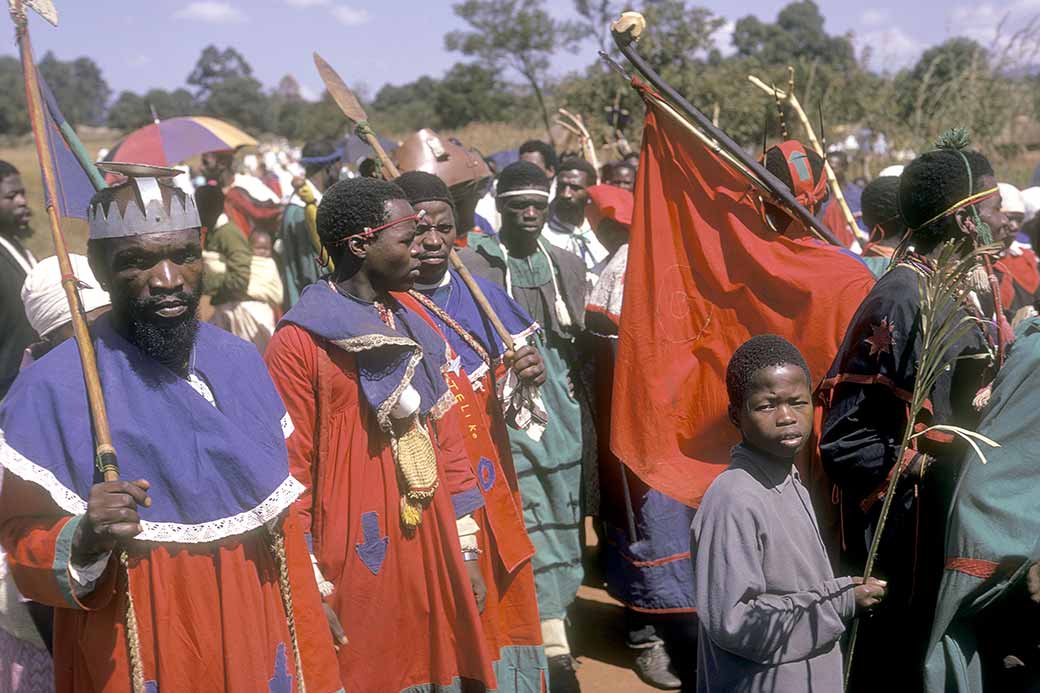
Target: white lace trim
167 532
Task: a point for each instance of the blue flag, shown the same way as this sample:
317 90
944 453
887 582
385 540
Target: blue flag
72 181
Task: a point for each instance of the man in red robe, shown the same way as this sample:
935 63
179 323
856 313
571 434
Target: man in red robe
193 573
378 444
247 201
511 623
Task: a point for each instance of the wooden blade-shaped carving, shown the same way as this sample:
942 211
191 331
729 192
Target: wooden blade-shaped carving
339 91
44 8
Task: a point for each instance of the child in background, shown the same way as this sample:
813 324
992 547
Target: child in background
265 282
771 611
240 275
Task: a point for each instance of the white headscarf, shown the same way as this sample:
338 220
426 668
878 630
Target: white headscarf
44 298
1011 199
1031 197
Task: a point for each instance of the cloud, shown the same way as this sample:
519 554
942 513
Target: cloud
873 17
723 38
139 60
307 3
995 27
211 13
308 94
890 49
349 16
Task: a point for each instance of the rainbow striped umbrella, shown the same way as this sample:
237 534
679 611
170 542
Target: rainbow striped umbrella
170 142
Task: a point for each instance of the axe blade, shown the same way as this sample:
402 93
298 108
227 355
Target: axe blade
339 91
44 8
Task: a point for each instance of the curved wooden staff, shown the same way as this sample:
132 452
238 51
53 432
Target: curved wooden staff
576 124
626 31
814 141
352 109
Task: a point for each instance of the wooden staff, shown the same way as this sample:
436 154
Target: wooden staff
105 452
814 141
577 126
352 109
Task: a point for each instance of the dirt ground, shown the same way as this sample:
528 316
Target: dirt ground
605 664
598 635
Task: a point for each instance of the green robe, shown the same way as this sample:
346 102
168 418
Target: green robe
994 526
228 241
299 262
549 470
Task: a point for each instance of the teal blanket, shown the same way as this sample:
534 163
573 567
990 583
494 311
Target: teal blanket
993 530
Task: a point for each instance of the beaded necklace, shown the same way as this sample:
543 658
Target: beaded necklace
451 322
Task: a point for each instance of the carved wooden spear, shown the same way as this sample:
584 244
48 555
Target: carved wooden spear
352 109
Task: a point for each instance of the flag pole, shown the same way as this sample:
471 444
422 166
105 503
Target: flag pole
105 452
626 31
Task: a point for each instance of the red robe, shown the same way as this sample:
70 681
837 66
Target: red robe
407 607
249 214
510 615
1019 280
210 616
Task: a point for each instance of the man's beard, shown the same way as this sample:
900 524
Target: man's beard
167 340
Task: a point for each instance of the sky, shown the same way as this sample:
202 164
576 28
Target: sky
141 45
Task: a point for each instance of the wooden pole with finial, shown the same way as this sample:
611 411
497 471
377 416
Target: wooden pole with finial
104 450
352 109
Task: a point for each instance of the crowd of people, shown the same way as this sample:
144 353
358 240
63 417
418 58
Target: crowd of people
361 424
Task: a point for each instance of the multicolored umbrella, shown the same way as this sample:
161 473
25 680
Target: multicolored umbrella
170 142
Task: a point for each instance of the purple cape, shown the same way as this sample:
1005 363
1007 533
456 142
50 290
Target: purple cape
214 471
457 301
387 359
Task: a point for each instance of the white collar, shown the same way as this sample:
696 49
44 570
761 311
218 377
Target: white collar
445 280
27 261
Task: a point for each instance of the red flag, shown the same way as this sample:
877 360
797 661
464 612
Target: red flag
834 219
705 273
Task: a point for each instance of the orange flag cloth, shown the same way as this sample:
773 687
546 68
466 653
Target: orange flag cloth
705 273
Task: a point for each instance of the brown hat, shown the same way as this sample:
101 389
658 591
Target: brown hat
451 162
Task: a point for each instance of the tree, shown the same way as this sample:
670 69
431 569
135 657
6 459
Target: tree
14 118
798 34
681 37
406 107
216 66
129 112
170 104
596 17
242 101
515 34
78 86
471 92
288 89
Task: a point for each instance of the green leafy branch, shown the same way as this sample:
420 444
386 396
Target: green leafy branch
942 326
